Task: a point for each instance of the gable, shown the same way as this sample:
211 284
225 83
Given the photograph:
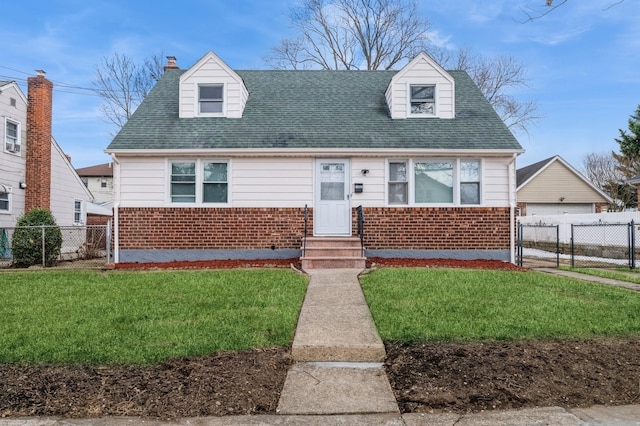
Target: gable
421 71
211 71
558 180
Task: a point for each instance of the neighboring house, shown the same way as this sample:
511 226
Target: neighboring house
219 163
553 186
34 172
99 180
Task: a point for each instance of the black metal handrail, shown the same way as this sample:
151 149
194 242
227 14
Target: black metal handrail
304 239
361 227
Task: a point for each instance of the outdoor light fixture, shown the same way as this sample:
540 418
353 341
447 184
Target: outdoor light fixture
364 171
561 199
22 185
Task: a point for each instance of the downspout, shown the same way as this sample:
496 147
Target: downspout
116 206
512 208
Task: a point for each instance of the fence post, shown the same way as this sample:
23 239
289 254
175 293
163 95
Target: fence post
557 246
571 245
108 240
44 261
518 243
632 248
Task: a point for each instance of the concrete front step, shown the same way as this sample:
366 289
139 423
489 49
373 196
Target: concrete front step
333 262
332 252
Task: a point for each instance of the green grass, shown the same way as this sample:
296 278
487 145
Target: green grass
621 274
463 305
144 317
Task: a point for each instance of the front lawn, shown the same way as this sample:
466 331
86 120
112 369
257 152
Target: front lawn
144 317
417 304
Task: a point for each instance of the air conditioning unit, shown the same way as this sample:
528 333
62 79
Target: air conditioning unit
12 147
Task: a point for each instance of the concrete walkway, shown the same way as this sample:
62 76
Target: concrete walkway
590 278
338 352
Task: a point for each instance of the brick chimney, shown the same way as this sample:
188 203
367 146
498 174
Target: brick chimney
171 64
39 117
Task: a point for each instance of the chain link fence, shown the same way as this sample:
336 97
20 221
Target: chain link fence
82 246
593 245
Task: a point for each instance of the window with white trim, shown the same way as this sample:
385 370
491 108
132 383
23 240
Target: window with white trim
210 98
5 199
434 181
398 185
469 182
422 100
12 136
199 182
77 212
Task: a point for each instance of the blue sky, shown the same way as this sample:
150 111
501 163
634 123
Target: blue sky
582 60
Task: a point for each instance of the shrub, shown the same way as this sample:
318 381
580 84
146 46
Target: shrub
26 243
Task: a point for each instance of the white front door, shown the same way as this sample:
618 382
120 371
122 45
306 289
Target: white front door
332 211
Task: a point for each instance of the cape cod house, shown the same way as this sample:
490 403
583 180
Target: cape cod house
219 163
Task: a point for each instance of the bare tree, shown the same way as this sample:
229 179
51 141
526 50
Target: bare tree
123 84
605 172
351 34
495 77
536 12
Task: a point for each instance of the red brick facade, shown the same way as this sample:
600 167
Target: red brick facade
436 228
211 228
39 116
451 228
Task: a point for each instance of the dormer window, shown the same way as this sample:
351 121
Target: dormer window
211 98
423 100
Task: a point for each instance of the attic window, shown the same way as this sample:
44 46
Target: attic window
210 98
423 100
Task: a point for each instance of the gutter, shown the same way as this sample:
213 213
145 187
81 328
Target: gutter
116 207
512 207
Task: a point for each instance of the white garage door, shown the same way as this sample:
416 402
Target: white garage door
560 208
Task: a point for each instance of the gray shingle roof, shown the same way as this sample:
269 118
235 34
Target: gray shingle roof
313 109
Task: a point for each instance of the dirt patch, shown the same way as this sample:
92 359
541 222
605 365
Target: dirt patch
498 376
435 377
247 382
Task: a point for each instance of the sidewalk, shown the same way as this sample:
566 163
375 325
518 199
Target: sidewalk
339 379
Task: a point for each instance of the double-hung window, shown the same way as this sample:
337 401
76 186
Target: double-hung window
423 100
5 199
12 136
469 182
77 212
199 182
398 190
214 182
433 182
183 182
211 100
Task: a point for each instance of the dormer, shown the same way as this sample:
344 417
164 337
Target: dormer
211 89
421 89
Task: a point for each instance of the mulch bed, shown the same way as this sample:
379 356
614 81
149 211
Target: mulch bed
435 377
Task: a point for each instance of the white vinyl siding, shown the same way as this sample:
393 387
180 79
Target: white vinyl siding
66 188
13 165
212 71
422 71
265 182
